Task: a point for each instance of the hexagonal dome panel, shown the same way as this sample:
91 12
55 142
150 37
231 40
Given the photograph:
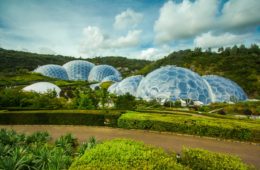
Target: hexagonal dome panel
129 85
225 90
98 73
78 69
173 83
52 70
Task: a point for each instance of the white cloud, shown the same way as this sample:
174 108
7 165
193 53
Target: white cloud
188 19
177 21
128 18
154 53
131 39
214 41
240 13
96 43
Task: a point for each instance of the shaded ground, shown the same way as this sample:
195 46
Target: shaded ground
250 153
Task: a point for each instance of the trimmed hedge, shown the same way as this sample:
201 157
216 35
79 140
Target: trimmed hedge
61 117
125 154
203 159
203 126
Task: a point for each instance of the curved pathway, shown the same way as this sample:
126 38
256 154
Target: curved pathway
250 153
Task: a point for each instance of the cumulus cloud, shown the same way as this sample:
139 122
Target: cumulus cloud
128 18
214 41
131 39
240 13
154 53
181 20
188 19
96 42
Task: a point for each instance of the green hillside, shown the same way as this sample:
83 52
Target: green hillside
239 64
13 61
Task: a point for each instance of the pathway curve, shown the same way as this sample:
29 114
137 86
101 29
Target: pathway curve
250 153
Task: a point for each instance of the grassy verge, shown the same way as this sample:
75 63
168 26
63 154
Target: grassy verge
202 126
61 117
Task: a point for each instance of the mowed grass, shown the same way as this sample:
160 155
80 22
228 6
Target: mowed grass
195 125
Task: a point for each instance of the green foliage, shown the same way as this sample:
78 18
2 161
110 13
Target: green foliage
12 97
22 152
125 154
61 117
203 126
91 143
201 159
38 137
126 102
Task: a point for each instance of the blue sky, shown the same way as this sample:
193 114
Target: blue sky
142 29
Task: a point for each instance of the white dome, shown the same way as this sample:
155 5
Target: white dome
224 89
98 73
42 87
174 83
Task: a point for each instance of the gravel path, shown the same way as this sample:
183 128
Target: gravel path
250 153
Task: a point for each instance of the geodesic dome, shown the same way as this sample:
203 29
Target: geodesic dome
78 69
113 88
98 73
52 70
225 90
112 78
172 83
43 87
129 85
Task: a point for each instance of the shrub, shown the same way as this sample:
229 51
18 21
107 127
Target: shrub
61 117
202 159
203 126
125 154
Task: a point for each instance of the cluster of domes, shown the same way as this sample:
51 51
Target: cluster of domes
80 70
172 83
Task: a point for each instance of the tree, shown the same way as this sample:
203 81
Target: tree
126 102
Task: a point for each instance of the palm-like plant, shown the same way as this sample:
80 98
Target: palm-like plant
16 161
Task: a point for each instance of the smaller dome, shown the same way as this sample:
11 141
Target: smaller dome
98 73
78 69
43 87
52 70
129 85
225 90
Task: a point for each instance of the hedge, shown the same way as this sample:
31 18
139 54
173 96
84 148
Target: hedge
60 117
203 126
203 159
125 154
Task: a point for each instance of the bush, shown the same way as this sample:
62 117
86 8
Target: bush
203 126
61 117
125 154
202 159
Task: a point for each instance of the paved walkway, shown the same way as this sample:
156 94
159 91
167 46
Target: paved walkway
250 153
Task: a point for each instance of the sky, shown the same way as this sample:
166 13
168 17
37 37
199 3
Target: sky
140 29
